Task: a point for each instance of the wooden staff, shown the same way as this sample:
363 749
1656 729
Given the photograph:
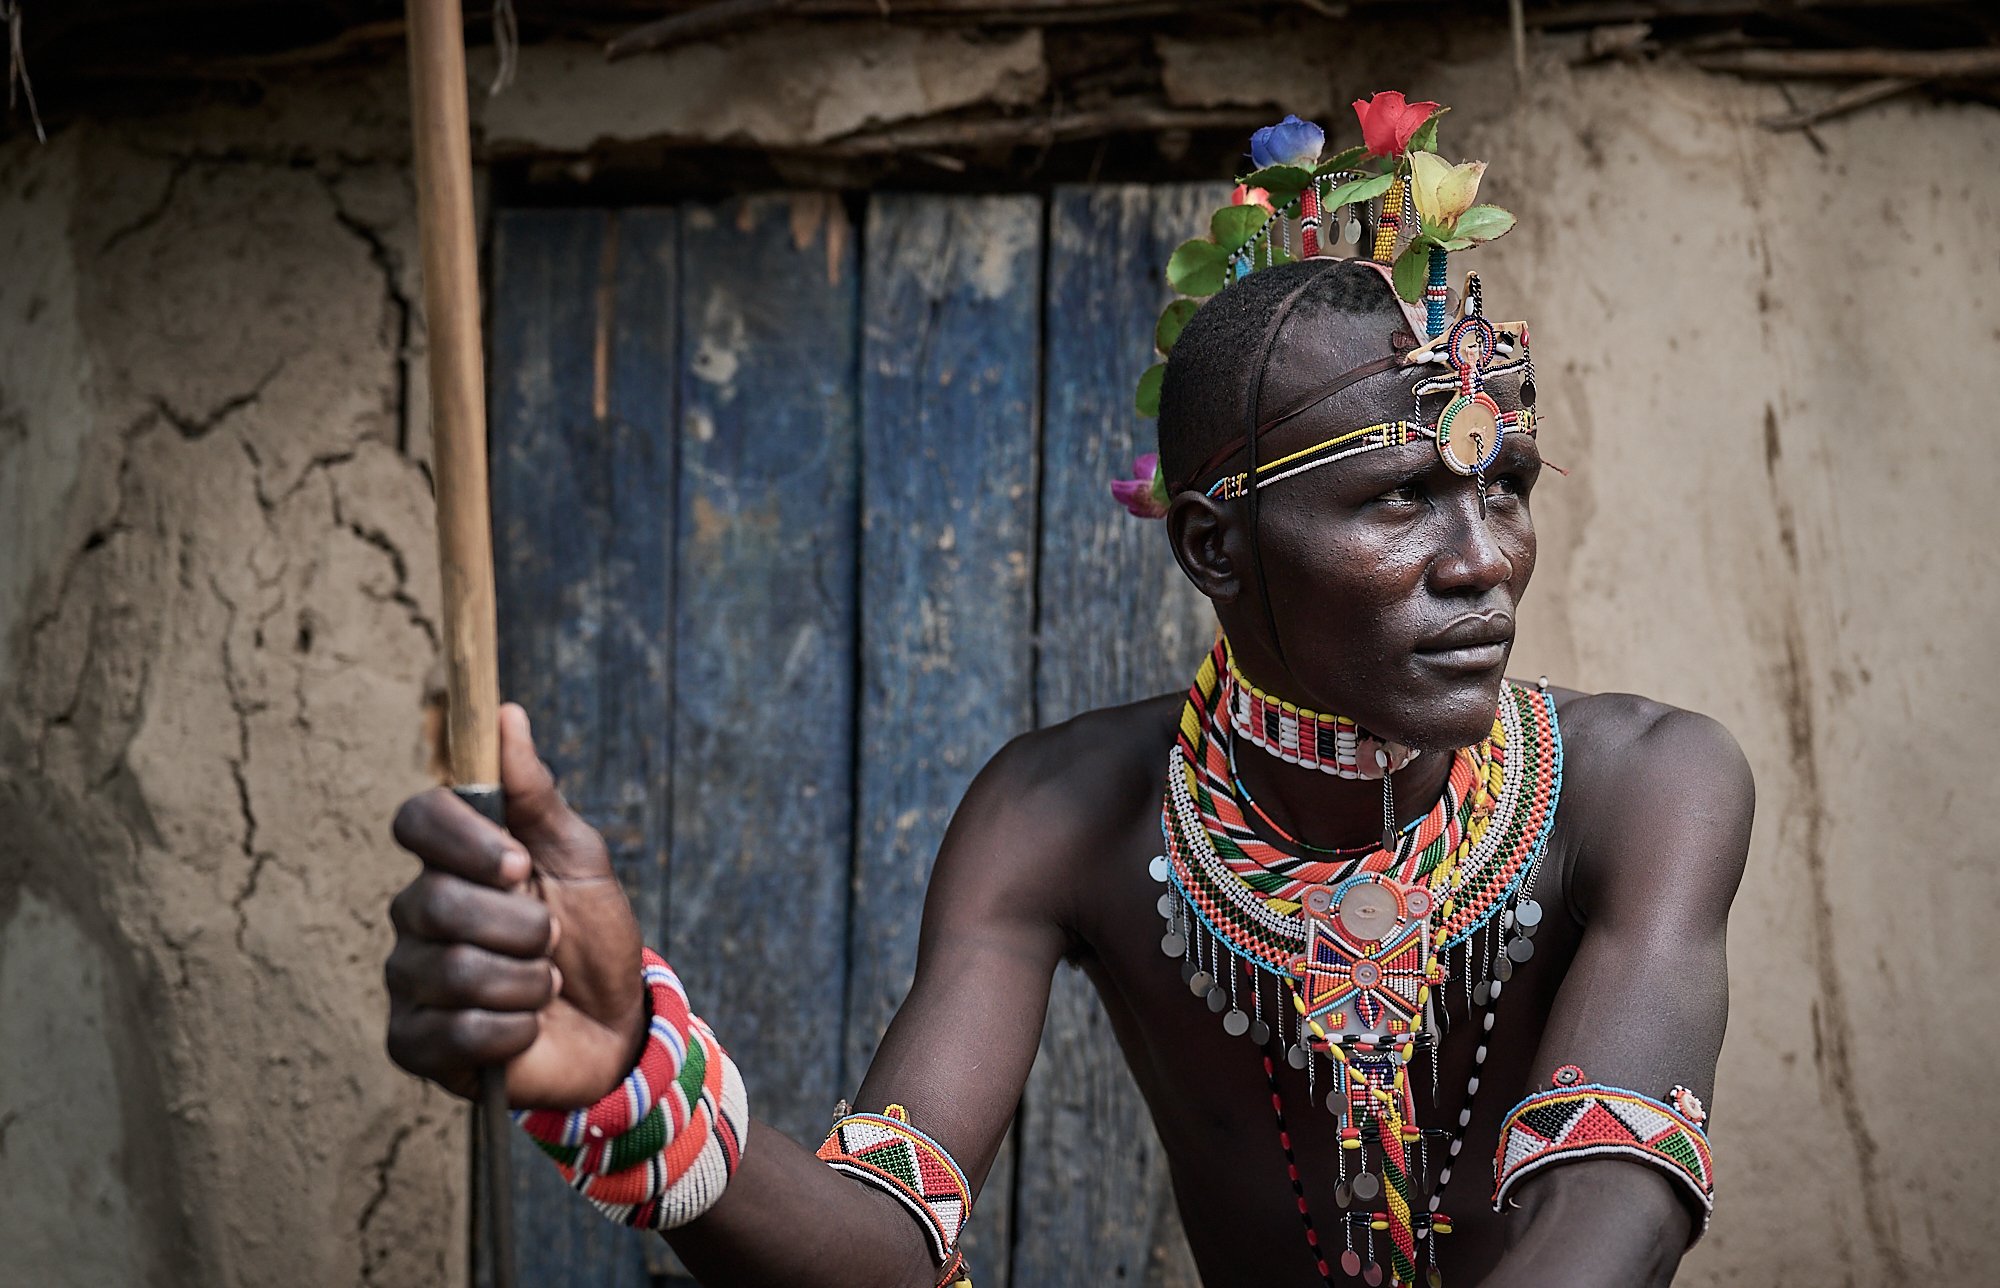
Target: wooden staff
438 119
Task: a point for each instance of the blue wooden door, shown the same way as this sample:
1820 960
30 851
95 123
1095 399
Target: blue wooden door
797 522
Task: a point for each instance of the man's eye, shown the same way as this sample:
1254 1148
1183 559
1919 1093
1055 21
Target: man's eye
1404 495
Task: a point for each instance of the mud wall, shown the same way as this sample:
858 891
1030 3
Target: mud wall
1766 359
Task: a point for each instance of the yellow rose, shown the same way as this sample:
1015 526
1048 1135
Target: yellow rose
1443 191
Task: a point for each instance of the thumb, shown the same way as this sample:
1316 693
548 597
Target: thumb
563 845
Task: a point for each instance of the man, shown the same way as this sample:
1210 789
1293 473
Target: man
1383 586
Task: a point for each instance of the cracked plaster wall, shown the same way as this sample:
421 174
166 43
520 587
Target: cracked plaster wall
1766 366
216 600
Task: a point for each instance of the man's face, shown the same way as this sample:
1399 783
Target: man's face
1394 596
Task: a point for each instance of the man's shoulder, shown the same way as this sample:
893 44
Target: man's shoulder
1615 737
1647 784
1095 763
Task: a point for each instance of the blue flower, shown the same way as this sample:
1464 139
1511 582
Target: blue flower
1289 142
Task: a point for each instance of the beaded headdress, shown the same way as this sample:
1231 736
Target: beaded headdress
1396 205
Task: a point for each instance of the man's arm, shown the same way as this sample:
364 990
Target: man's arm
1663 802
956 1056
520 947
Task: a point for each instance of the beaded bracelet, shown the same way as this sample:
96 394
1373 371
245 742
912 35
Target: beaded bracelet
884 1152
1577 1120
657 1151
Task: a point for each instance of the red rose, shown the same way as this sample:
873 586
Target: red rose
1388 123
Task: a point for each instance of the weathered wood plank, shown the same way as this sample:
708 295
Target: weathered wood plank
582 414
764 637
950 381
1118 622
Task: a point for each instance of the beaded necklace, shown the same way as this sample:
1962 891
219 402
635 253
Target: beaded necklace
1357 945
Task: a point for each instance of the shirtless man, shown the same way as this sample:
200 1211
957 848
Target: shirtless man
1383 587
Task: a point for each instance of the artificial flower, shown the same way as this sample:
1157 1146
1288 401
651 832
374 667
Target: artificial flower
1443 191
1145 493
1245 195
1388 123
1289 142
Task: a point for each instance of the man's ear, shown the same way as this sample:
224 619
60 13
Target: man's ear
1204 535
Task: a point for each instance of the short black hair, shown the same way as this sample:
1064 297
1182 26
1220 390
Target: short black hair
1347 304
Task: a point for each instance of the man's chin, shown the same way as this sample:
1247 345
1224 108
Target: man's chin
1457 712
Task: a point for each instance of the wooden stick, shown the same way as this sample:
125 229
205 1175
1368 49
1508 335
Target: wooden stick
1846 101
1915 64
458 391
442 134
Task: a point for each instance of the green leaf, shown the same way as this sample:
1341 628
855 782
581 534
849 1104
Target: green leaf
1346 159
1196 268
1359 190
1234 226
1172 322
1483 223
1147 400
1412 266
1436 232
1426 137
1281 181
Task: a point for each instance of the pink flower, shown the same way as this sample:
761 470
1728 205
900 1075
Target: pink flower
1144 494
1248 196
1388 123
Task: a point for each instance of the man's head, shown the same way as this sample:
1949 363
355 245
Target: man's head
1393 596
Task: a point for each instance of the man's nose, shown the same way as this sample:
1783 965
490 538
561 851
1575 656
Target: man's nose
1471 558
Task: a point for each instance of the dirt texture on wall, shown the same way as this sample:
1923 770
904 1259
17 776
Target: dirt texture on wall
1760 358
220 593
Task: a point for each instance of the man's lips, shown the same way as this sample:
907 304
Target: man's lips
1472 642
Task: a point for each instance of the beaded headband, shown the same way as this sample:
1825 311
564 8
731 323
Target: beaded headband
1411 208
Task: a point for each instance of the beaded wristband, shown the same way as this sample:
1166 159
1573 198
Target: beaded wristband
885 1152
657 1151
1589 1120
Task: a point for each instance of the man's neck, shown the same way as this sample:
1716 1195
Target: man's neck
1321 810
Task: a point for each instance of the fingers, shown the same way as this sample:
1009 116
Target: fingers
450 836
462 977
446 909
448 1047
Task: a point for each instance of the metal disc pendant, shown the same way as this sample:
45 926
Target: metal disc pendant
1527 913
1187 969
1350 1263
1172 944
1260 1032
1343 1194
1336 1102
1158 867
1200 982
1372 1275
1297 1057
1236 1023
1503 970
1366 1186
1482 993
1434 1277
1166 904
1521 949
1218 998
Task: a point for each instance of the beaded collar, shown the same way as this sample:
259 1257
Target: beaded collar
1356 949
1331 744
1493 815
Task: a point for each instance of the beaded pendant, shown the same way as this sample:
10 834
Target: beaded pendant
1353 954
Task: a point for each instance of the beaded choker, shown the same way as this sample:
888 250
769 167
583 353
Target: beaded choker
1341 958
1331 744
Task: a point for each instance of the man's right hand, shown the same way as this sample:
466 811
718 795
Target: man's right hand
515 946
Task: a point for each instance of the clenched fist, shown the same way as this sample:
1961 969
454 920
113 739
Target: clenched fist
515 946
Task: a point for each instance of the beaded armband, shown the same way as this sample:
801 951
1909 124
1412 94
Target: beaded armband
1577 1120
657 1151
884 1151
